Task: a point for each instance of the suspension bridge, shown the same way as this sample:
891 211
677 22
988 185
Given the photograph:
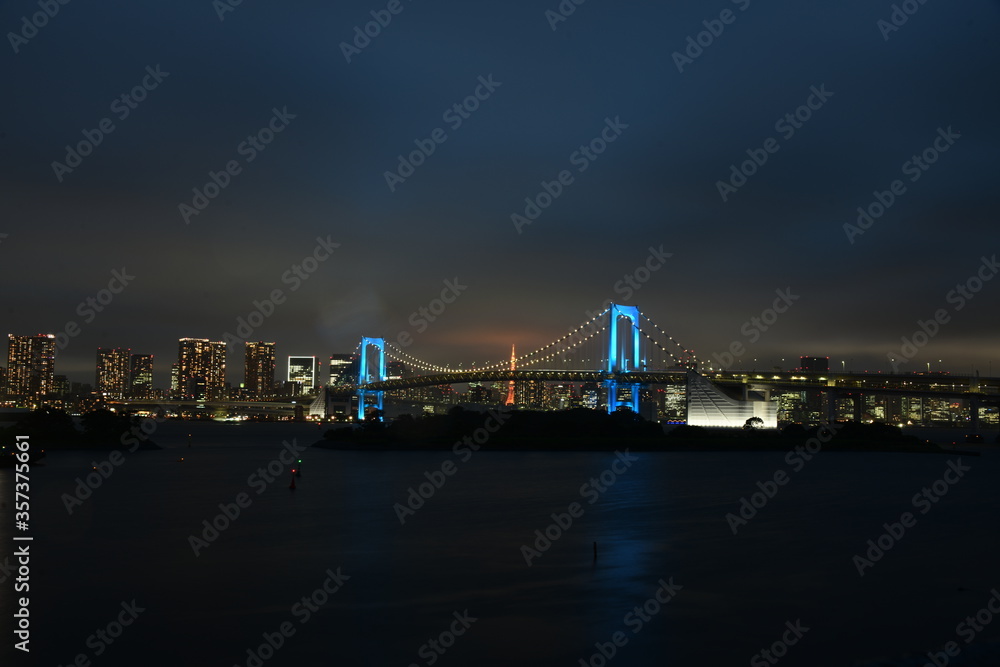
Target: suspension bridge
620 349
619 354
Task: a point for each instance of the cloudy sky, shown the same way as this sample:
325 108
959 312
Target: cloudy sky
349 105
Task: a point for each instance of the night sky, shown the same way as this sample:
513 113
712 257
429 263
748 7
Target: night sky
323 175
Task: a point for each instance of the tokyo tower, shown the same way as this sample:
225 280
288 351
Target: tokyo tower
510 388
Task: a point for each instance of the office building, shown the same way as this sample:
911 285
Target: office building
344 369
302 370
112 373
258 377
60 385
814 364
141 376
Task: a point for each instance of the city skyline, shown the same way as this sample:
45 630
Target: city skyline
852 178
123 374
546 332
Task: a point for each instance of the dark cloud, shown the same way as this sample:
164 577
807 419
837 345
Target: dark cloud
655 185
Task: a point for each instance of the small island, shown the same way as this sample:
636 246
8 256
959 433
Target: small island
53 429
591 430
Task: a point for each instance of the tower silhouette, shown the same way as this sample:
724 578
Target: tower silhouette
510 387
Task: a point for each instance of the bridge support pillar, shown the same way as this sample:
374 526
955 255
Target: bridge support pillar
612 387
859 404
364 377
620 360
831 406
974 413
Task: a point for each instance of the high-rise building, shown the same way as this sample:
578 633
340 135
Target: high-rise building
201 369
175 389
302 370
530 393
343 369
395 370
112 373
31 363
815 364
141 376
60 385
479 394
562 397
258 377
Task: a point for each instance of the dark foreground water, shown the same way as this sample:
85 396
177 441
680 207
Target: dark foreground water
664 518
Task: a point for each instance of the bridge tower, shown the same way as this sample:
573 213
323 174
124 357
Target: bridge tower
364 377
620 360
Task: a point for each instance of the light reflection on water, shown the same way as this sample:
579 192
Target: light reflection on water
664 517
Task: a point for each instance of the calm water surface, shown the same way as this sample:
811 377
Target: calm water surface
663 518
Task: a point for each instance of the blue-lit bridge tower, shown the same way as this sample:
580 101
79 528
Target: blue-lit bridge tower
364 377
620 359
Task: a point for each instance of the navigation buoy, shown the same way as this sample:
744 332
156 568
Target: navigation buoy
292 485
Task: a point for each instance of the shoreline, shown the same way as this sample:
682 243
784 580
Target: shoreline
634 445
